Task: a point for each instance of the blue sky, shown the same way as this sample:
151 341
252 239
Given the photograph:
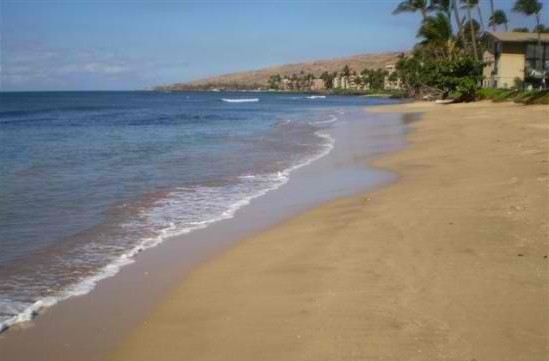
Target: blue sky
121 44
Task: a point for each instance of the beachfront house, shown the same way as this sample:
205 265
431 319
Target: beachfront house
511 59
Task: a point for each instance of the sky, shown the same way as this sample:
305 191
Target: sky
138 44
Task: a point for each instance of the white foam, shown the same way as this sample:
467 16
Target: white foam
166 213
316 97
331 120
240 100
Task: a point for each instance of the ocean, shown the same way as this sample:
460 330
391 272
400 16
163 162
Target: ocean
90 179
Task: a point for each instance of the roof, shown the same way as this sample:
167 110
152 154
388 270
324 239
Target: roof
515 37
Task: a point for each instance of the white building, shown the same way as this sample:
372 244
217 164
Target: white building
389 84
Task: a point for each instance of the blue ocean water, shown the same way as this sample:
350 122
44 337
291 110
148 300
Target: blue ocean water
89 179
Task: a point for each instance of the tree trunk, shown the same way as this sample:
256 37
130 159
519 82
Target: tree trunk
492 11
480 17
539 48
506 26
473 35
459 24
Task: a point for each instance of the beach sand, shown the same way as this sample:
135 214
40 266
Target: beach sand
448 263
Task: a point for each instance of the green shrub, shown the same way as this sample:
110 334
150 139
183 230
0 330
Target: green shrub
459 75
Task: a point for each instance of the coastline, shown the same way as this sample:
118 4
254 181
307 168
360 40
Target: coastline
110 311
448 263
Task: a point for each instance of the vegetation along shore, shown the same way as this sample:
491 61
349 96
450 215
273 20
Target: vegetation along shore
455 57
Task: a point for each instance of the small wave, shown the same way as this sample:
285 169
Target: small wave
316 97
332 119
240 100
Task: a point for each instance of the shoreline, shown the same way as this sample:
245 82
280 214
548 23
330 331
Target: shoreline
448 263
161 268
86 285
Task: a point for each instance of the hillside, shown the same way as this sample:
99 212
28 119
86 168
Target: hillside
259 78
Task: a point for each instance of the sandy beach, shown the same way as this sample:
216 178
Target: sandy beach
448 263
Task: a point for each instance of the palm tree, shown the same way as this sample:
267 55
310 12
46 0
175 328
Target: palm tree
529 8
475 4
492 12
473 24
442 5
436 32
468 5
498 18
541 28
412 6
458 21
480 17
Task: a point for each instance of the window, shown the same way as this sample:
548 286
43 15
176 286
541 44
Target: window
533 55
531 51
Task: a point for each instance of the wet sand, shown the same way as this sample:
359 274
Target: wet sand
448 263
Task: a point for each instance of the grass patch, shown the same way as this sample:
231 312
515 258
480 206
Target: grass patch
523 97
540 97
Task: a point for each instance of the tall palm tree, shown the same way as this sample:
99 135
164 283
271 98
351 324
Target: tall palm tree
541 28
458 21
437 34
493 13
468 5
529 8
475 4
480 17
499 18
412 6
442 5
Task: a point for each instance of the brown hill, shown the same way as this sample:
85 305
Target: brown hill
259 78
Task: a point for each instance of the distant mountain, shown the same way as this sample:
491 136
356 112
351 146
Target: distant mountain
259 78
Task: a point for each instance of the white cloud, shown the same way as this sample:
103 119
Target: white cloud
35 65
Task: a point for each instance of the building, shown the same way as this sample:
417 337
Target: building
391 82
340 82
317 85
511 59
285 84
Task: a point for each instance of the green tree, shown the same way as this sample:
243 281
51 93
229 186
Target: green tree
469 4
442 5
532 8
459 22
492 15
436 32
473 24
346 71
499 18
412 6
328 79
521 30
461 75
274 81
541 28
479 11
